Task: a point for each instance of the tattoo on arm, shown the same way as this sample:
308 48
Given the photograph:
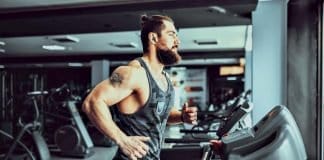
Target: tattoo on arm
116 79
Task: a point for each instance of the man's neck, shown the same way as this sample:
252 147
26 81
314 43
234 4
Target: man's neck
155 65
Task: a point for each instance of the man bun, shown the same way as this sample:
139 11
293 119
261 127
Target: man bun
144 19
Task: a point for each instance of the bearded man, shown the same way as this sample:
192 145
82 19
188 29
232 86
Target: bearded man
141 95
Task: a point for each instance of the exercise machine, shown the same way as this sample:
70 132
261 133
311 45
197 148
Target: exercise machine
227 121
71 136
275 136
38 149
73 139
197 146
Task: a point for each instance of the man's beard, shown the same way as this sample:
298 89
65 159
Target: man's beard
167 56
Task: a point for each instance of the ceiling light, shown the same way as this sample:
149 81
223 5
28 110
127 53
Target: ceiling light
2 50
124 45
218 9
65 39
2 43
54 47
75 64
2 66
206 42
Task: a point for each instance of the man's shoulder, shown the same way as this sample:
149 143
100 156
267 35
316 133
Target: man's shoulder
134 64
131 66
132 70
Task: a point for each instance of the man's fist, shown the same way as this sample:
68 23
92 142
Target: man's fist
189 114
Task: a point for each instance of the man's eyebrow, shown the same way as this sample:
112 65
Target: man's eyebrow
174 32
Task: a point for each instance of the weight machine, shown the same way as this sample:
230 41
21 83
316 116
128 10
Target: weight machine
70 135
37 149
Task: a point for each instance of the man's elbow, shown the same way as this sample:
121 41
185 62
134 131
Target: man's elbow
86 106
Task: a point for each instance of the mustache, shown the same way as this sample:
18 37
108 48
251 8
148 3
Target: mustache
175 46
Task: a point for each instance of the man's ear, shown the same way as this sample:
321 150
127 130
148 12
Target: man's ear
152 37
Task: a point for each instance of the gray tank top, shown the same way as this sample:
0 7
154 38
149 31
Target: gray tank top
151 119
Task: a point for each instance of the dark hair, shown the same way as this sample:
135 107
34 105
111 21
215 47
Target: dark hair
152 24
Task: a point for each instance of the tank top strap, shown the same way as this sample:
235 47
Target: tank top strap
167 77
148 73
150 77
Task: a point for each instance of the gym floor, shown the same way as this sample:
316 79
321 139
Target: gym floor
102 153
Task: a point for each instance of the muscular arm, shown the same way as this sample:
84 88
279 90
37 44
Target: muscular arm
95 105
108 93
175 116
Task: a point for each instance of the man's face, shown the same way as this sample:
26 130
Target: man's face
167 45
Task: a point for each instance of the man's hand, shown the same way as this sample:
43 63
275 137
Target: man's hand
189 114
134 146
217 145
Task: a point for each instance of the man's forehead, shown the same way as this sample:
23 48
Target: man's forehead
169 27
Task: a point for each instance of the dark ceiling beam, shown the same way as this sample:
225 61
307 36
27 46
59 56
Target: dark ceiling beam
115 6
118 57
105 17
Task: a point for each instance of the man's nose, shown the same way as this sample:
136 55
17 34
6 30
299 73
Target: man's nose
177 41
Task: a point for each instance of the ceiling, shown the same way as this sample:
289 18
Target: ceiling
109 28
